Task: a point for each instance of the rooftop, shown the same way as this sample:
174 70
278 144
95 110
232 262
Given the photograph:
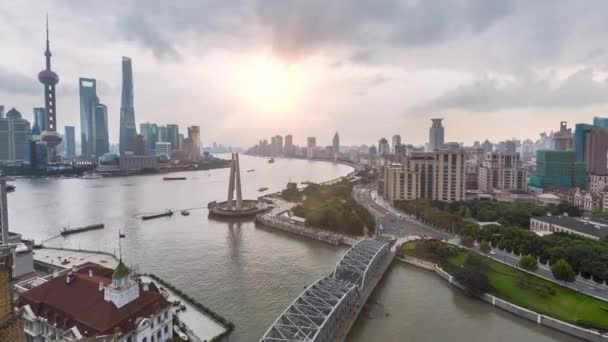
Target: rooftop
589 227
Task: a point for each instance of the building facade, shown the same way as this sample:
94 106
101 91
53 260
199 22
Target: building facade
563 224
70 142
194 134
396 142
311 144
502 171
562 139
558 169
163 147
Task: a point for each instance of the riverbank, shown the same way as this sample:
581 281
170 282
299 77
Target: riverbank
527 302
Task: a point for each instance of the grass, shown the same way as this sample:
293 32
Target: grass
542 296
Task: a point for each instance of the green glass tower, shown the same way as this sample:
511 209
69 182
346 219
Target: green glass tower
558 169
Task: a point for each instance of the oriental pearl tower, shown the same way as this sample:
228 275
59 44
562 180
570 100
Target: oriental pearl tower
49 79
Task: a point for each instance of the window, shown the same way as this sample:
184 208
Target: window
145 339
166 314
166 329
158 335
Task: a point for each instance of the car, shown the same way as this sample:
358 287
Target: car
492 252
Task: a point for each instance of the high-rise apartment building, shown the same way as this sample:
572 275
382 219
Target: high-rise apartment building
502 171
558 169
14 131
436 135
396 142
70 142
437 175
127 109
383 147
311 143
276 145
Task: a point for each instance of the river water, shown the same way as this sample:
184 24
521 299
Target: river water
246 273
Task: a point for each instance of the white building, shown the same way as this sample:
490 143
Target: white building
502 171
96 302
564 224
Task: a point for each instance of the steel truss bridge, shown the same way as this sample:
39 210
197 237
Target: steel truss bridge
318 311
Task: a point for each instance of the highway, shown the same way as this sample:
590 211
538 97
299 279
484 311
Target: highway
390 221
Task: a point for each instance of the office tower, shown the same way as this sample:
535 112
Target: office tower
558 169
436 135
194 134
289 148
173 136
487 146
396 142
1 112
39 121
100 130
49 79
502 171
150 133
14 131
528 150
562 139
452 146
311 143
70 142
163 147
162 133
580 131
276 145
596 151
600 122
181 142
383 147
127 110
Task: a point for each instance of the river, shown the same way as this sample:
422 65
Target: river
247 274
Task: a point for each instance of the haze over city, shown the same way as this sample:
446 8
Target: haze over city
367 68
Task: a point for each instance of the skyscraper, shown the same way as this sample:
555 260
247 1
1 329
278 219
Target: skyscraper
383 147
39 121
558 169
13 137
436 135
173 136
289 148
311 143
70 142
562 139
596 151
127 110
336 146
150 133
49 79
396 141
100 129
194 133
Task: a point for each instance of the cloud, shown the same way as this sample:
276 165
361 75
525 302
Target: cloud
14 82
486 94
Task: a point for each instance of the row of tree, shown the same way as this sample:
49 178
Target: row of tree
585 256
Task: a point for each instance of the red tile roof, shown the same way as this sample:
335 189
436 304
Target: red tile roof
81 304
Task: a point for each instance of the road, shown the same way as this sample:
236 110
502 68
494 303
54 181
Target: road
391 221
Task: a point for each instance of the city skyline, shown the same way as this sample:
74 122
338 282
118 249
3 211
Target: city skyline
197 83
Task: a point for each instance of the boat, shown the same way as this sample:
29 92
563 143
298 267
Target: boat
121 235
153 216
262 189
180 333
67 231
185 213
10 188
271 160
250 170
174 178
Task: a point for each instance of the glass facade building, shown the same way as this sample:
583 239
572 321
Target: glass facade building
128 132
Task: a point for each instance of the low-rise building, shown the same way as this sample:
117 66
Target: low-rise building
112 163
564 224
96 302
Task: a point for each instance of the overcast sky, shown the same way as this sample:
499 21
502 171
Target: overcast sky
367 68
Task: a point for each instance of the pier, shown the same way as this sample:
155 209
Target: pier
328 308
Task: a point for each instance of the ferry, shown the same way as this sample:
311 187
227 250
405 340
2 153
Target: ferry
250 170
166 213
262 189
67 231
271 160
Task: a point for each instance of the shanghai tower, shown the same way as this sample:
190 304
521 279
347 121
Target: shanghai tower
127 112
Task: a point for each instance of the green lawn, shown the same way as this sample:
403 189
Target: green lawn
543 296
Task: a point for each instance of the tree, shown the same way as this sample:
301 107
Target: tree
563 271
485 247
528 262
467 241
472 275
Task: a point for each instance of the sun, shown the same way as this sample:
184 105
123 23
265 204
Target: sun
268 85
